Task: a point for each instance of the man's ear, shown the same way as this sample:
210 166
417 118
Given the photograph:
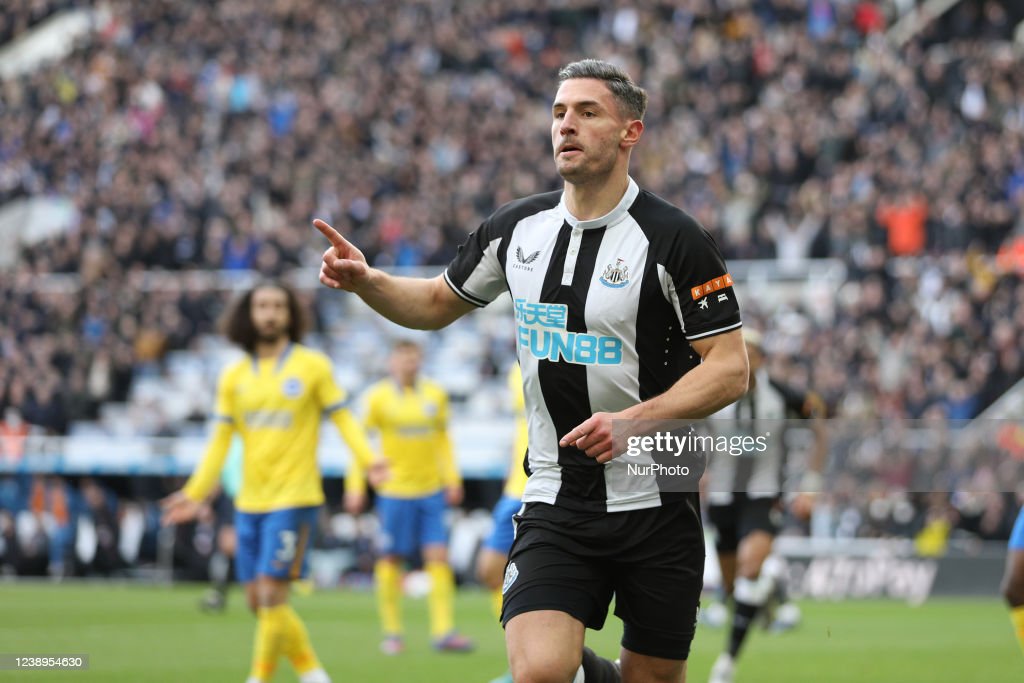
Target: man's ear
632 132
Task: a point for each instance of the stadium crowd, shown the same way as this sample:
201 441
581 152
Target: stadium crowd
197 136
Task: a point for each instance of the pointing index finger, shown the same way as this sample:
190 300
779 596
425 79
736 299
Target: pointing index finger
330 233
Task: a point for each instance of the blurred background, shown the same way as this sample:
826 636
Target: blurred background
859 162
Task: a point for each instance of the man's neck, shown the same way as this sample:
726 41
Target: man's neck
271 349
587 201
405 382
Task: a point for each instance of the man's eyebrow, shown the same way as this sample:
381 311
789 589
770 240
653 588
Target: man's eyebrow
579 105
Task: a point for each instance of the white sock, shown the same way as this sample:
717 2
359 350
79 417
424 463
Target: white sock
315 676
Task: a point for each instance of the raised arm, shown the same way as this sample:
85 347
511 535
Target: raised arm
417 303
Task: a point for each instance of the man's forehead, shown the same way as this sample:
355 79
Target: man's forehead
576 90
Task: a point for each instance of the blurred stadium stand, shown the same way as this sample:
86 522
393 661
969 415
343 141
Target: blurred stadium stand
864 179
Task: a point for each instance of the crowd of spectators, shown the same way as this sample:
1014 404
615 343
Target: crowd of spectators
201 135
20 16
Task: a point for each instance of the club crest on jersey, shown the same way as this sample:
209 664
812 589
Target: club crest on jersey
292 387
525 261
511 574
615 276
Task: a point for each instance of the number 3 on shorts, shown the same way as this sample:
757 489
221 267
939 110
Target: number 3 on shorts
286 538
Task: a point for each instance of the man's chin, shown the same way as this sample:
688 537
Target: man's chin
269 338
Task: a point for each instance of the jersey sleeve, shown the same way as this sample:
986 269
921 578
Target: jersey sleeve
476 274
329 395
449 469
224 404
205 477
700 287
370 409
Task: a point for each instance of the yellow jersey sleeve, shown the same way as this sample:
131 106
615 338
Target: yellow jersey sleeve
447 466
207 475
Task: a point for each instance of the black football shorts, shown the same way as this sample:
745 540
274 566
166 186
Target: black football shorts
650 560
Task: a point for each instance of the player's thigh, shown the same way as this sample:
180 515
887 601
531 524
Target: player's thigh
252 596
546 571
285 538
248 528
432 531
490 565
398 523
503 529
544 646
658 583
637 668
725 520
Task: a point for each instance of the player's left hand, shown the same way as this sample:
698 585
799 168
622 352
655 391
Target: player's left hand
378 472
178 509
593 437
802 505
453 495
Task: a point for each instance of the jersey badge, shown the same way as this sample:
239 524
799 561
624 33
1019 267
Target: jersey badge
615 276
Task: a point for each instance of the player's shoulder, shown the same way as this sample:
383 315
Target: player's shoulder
433 388
379 389
507 216
234 370
309 359
655 213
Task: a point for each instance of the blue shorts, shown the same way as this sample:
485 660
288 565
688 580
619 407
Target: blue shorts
408 524
504 531
1017 537
274 543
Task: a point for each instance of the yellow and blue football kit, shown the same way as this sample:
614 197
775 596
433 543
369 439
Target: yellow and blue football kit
276 405
413 426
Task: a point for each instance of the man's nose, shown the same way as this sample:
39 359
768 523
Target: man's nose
568 124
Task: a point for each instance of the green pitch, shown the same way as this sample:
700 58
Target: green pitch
142 634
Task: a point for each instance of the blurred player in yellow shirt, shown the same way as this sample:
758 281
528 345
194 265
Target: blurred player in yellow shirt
1013 578
275 398
493 557
411 415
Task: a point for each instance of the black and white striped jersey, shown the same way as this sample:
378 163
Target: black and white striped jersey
756 474
605 310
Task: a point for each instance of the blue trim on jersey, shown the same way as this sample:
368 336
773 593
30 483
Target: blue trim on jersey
504 530
283 357
274 543
408 524
337 406
1017 537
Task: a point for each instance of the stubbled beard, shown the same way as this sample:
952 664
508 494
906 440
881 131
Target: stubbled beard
269 337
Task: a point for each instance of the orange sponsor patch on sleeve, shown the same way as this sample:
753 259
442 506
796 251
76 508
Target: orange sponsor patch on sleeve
712 285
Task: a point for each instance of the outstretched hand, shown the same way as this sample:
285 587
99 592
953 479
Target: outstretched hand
344 266
178 508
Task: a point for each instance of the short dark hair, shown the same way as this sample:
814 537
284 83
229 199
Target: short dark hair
237 320
632 99
403 344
